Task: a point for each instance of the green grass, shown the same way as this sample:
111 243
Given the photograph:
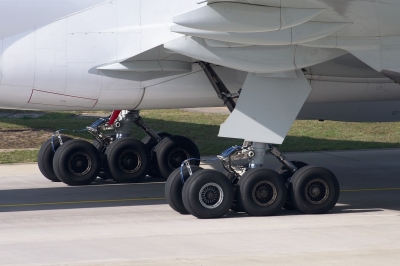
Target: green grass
203 129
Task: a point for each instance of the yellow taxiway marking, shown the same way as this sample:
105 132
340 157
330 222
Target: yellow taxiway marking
152 199
78 202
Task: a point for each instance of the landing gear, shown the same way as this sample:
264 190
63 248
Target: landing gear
261 192
253 189
314 190
172 151
208 194
122 158
77 163
174 186
246 186
127 160
46 155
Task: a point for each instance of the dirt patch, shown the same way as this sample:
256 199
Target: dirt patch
22 139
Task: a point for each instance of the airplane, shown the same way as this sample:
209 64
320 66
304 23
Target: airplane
269 61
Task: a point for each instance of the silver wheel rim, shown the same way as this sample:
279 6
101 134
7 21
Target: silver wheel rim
211 195
264 193
80 163
316 191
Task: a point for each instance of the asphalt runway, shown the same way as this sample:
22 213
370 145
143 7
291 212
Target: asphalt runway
45 223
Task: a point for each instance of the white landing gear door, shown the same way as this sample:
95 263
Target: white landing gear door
267 107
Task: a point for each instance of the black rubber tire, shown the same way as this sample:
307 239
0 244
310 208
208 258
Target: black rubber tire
124 154
196 183
249 187
150 145
301 182
80 152
46 155
172 151
104 173
286 174
174 186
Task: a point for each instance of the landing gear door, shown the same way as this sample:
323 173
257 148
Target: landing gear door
267 107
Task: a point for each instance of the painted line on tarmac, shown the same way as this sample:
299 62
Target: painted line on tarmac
77 202
154 199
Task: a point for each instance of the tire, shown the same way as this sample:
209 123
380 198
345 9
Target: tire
286 174
127 160
172 151
150 145
46 155
77 163
104 173
314 190
174 186
207 183
262 192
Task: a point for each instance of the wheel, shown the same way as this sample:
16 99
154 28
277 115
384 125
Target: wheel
261 192
174 186
77 163
46 155
150 145
314 190
286 174
104 173
127 160
207 194
172 151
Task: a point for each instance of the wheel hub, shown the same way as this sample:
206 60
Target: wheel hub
130 161
80 163
211 195
176 157
316 191
264 193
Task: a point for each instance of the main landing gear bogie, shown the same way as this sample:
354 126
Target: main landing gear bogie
257 191
116 156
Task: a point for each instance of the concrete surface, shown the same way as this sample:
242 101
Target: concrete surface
45 223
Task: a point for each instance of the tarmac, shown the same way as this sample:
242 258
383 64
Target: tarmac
45 223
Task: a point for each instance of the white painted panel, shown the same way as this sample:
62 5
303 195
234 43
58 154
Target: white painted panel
280 37
162 11
46 98
231 17
53 35
126 99
257 59
184 91
128 44
19 59
308 56
383 92
14 97
324 91
48 76
156 35
91 47
128 14
98 19
291 17
20 15
266 109
60 58
92 34
83 80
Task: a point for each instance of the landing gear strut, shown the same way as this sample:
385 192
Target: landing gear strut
247 185
116 156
